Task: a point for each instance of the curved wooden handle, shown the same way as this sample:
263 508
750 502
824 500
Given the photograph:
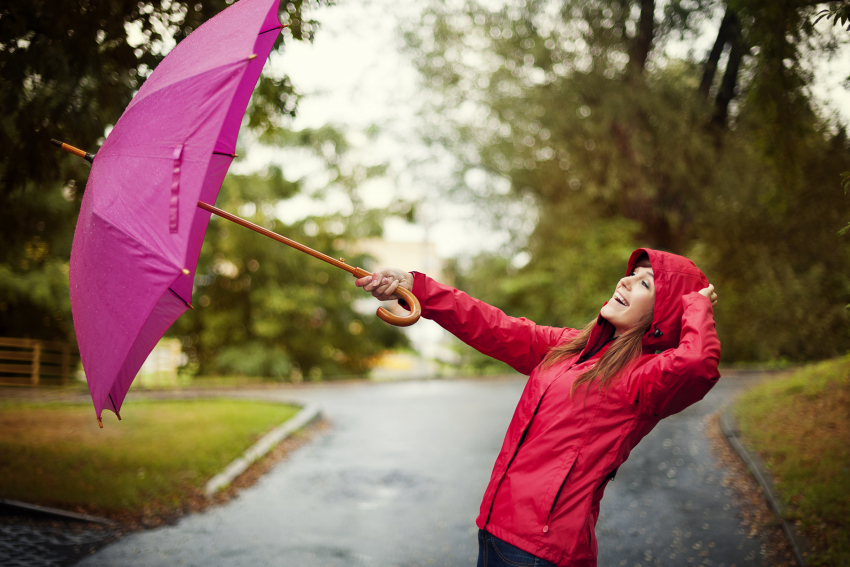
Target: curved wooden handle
391 318
404 320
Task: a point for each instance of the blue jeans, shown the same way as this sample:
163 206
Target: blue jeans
493 552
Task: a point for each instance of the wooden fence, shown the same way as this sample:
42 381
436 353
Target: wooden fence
29 362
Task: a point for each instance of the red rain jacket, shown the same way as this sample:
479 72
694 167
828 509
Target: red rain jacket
559 453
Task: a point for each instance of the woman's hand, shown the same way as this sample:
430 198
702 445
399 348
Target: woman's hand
383 283
709 293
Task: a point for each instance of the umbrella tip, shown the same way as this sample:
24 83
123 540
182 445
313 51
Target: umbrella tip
252 56
118 414
185 272
100 422
55 142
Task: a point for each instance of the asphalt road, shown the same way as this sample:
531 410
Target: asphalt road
397 481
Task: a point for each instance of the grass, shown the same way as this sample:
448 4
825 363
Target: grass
800 425
162 451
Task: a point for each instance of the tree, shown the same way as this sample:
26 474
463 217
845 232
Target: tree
574 110
70 77
264 309
261 308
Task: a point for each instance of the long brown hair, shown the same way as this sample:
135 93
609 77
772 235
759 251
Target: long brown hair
625 350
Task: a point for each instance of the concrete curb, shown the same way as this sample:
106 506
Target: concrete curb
306 416
55 512
799 543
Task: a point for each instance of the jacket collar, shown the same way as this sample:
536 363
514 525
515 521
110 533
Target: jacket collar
600 336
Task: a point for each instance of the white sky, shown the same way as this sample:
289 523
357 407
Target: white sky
355 75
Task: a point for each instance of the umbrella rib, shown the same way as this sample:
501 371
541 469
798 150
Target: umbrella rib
281 26
189 305
114 405
112 224
117 227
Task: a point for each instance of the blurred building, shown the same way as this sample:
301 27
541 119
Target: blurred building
160 368
408 256
428 339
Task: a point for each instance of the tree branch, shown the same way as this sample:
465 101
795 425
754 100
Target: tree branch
730 76
723 37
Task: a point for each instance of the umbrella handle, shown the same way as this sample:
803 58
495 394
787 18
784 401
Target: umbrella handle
382 313
390 317
72 150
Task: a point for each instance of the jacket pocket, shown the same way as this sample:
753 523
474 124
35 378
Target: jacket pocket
558 485
591 541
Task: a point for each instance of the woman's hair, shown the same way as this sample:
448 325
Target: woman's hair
625 350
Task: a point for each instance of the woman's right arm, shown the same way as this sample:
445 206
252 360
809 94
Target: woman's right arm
678 377
516 341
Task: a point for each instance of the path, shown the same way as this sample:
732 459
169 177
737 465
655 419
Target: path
399 477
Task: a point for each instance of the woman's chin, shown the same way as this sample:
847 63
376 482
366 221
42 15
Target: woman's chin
608 312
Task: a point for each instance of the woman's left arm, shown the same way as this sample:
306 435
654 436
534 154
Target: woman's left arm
673 380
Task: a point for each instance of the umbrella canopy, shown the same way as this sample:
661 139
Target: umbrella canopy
140 230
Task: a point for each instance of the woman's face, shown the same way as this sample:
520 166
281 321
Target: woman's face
633 298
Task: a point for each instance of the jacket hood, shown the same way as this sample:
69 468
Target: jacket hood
675 276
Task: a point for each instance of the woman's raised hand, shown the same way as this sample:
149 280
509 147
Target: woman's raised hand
709 293
383 283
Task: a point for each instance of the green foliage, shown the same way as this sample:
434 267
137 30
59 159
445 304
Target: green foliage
262 309
837 12
800 425
67 71
265 309
550 108
771 248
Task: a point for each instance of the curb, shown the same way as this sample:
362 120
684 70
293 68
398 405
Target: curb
55 512
306 416
799 543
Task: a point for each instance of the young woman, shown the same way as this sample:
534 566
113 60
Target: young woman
592 395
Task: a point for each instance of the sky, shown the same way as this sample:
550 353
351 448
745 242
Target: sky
355 74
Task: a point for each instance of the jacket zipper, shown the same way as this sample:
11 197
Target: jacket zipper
516 452
522 440
610 476
581 359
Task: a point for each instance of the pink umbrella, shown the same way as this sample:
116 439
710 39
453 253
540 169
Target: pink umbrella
140 228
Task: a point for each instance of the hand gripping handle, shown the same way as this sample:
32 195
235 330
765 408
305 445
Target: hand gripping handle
392 318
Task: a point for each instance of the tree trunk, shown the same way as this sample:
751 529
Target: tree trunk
645 35
727 25
730 76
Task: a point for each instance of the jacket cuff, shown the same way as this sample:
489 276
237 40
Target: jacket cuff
418 289
694 298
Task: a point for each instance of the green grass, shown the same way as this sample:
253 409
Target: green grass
800 425
162 451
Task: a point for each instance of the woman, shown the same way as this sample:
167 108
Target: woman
592 395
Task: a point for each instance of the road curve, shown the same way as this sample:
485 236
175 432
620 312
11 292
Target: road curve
398 479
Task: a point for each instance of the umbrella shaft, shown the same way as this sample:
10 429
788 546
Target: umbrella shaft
357 272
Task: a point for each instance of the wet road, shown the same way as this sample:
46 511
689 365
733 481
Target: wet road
398 479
